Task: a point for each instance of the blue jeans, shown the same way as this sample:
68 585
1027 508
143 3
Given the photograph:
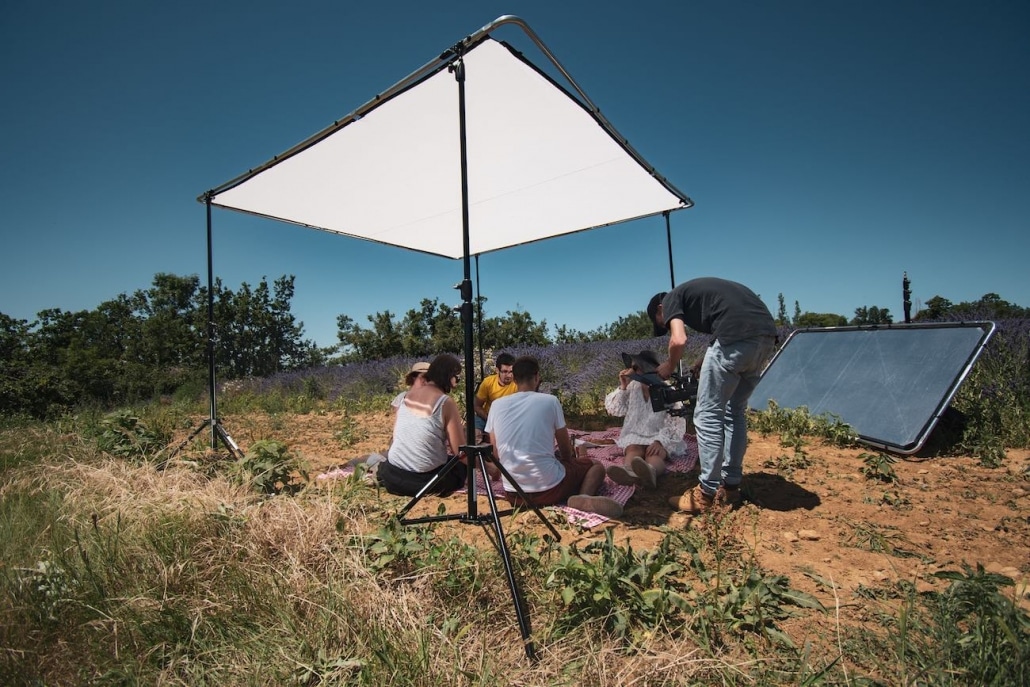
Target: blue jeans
728 376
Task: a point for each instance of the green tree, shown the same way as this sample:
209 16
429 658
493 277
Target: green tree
872 315
20 378
566 335
383 340
28 382
431 329
515 328
256 334
934 309
815 319
171 333
131 348
781 313
991 306
635 326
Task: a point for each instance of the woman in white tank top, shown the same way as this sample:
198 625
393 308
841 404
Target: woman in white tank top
427 432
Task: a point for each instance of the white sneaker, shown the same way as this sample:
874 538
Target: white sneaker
620 475
644 472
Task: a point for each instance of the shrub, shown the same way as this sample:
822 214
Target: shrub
270 468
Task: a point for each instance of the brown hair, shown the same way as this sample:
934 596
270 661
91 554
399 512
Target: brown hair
444 367
524 368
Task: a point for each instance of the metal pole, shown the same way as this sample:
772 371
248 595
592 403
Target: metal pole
466 285
470 387
213 418
479 322
668 238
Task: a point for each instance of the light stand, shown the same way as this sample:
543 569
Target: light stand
217 431
668 239
478 454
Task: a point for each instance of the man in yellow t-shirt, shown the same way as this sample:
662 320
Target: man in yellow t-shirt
495 386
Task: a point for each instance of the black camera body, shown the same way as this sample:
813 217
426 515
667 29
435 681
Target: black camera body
676 396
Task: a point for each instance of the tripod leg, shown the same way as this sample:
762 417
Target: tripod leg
448 466
227 440
525 499
188 439
502 546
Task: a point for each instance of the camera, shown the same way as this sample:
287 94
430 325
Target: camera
676 396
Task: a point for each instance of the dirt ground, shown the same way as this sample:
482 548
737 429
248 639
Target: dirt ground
813 517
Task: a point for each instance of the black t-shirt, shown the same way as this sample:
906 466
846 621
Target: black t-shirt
727 310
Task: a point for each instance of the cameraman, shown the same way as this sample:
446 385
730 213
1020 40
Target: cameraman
743 339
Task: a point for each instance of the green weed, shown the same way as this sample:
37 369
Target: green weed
629 593
270 468
878 466
350 431
123 433
969 634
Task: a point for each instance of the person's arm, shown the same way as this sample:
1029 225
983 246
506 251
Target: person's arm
565 448
616 401
479 407
677 344
453 425
478 403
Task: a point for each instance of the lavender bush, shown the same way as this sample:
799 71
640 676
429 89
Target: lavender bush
995 398
994 401
580 374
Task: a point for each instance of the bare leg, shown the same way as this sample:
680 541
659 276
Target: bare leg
624 474
648 466
657 462
593 480
587 501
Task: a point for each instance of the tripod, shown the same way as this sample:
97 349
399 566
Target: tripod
216 430
480 455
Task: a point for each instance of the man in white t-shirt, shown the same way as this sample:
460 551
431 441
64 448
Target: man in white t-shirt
523 429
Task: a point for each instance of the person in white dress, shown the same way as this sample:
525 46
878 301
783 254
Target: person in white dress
647 438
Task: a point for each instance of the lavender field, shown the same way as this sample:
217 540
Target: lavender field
994 402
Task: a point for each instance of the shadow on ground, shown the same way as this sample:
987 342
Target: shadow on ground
771 491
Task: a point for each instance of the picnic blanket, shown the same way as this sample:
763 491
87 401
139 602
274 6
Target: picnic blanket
599 446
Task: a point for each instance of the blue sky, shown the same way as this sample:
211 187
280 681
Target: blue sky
829 147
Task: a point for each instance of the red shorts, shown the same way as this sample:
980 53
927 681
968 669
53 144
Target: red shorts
575 472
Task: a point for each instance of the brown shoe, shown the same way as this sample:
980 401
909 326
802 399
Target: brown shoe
729 496
695 501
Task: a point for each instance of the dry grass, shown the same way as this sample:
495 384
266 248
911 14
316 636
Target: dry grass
180 576
332 618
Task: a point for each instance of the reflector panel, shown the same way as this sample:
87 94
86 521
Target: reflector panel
890 383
